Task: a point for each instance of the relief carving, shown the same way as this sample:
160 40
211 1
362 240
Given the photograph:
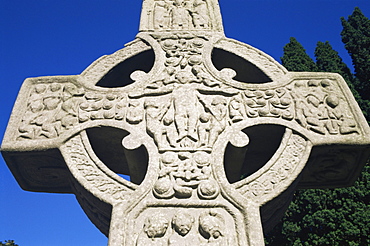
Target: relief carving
135 112
90 173
212 228
155 227
162 14
200 14
282 170
181 173
203 227
180 112
181 15
276 103
320 109
51 110
182 224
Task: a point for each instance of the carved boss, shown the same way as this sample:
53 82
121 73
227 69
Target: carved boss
208 129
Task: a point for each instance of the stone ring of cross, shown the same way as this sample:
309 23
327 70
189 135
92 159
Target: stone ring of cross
214 135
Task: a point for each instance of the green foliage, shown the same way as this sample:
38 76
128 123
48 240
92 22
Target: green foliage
327 217
328 60
8 243
356 37
295 58
333 216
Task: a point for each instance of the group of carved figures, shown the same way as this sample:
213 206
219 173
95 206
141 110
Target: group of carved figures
186 114
318 108
185 106
183 172
181 14
210 231
51 109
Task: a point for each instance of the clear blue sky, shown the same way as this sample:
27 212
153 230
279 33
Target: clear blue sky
52 37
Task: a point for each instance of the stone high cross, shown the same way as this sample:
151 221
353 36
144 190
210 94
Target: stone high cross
214 134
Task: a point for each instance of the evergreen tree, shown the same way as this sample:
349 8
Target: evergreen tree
330 216
328 60
327 217
295 58
356 37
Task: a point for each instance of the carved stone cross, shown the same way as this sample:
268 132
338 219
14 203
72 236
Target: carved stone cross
212 132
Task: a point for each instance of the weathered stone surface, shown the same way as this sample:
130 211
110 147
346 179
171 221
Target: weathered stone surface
208 129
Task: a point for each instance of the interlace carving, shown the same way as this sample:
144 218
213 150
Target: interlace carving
93 176
287 163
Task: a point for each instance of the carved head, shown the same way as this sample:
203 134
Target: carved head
182 223
211 224
183 77
155 226
179 2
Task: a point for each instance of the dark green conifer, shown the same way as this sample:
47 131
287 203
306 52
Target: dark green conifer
356 37
332 216
295 58
328 60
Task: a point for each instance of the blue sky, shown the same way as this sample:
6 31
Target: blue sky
51 37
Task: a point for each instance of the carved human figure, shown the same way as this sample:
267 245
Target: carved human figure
319 109
202 160
162 14
339 117
204 77
204 126
134 112
153 234
211 227
185 102
307 106
213 122
154 113
236 109
46 119
180 15
182 236
169 129
200 14
218 110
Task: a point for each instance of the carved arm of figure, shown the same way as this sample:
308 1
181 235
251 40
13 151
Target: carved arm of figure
151 92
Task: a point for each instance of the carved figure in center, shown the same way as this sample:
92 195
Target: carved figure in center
185 102
180 15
